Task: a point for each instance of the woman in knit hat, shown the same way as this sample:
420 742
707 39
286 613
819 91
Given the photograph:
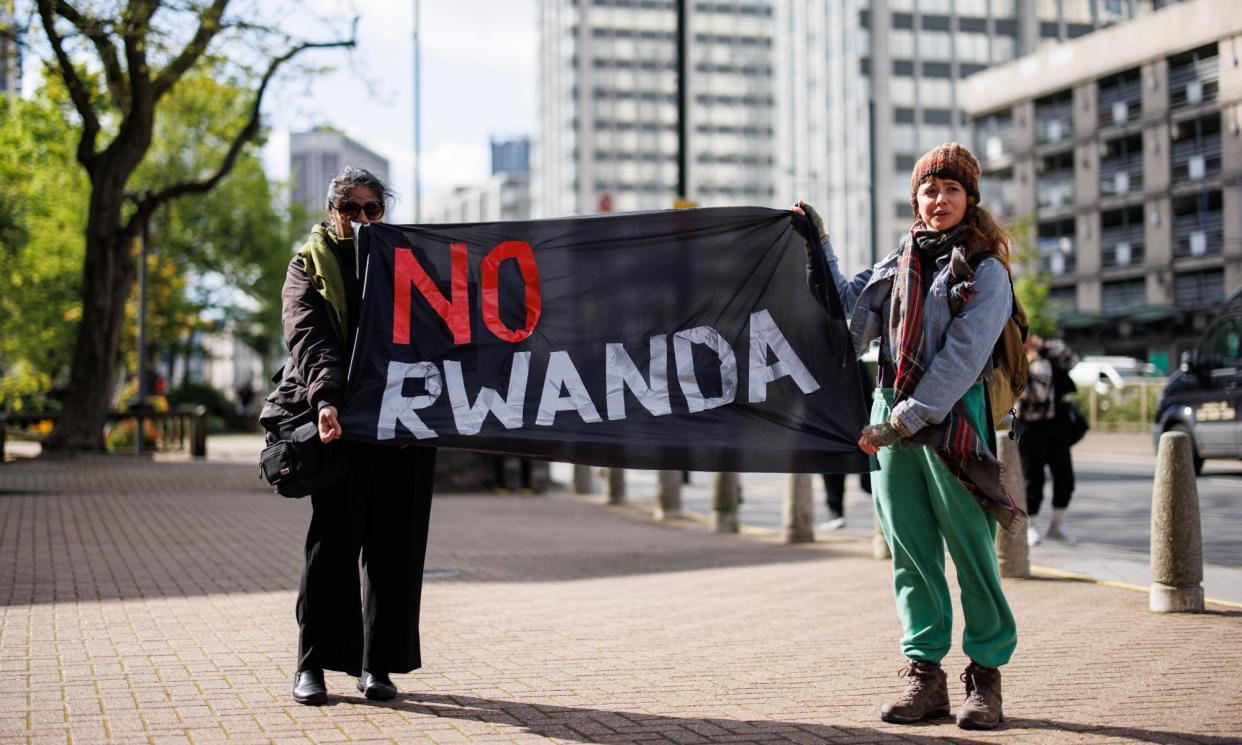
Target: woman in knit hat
938 304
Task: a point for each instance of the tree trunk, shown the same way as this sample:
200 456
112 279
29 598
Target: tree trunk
107 279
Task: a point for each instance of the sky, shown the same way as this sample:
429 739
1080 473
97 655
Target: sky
478 77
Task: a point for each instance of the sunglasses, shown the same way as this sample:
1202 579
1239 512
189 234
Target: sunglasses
351 209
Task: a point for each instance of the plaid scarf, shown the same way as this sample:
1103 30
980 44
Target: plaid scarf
955 440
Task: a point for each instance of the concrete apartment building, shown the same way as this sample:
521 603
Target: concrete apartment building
1122 150
608 105
863 87
315 155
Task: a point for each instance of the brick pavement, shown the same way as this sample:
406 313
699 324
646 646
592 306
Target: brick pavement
153 603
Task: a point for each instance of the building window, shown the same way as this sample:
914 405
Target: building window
1122 240
1120 98
997 191
1194 77
1121 166
1063 298
1198 225
1195 149
1056 247
1054 118
994 135
1198 290
1055 181
1122 294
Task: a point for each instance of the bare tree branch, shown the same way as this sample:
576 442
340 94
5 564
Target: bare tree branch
151 201
208 27
77 88
93 29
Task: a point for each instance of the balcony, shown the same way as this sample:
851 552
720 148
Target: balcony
1122 245
1055 189
1194 78
1195 152
998 192
1054 118
1120 99
994 136
1056 256
1198 226
1121 175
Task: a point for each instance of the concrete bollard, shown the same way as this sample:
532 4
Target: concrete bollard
724 503
799 512
668 498
1012 551
583 482
616 485
879 546
4 433
1176 534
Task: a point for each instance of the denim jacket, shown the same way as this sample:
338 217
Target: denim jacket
957 347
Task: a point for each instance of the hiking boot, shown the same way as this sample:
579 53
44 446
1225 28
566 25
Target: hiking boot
926 694
982 708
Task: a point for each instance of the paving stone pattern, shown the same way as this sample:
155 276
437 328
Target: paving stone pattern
153 603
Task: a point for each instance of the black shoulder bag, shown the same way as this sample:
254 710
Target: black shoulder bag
296 462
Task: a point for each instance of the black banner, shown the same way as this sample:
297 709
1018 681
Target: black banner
684 339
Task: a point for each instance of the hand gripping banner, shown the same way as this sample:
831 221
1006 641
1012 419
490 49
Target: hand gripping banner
684 339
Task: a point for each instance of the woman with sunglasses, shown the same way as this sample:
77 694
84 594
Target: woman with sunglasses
366 626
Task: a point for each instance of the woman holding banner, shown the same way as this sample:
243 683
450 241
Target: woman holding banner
938 304
366 626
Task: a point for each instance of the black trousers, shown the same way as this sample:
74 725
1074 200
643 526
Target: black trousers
358 604
834 491
1040 447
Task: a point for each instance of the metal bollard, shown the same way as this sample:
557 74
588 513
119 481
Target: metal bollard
616 485
1176 534
583 483
668 498
724 503
1012 551
799 511
198 432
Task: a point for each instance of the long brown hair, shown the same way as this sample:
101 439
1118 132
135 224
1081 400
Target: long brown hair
985 234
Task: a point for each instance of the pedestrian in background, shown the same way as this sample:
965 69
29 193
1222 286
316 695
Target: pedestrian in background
938 305
1048 431
358 603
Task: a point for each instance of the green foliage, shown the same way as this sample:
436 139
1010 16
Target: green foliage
43 204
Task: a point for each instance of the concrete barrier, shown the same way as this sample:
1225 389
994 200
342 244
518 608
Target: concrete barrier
879 546
799 509
725 489
1176 533
1013 553
584 483
616 486
668 497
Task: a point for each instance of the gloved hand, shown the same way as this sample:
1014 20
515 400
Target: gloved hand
876 436
802 208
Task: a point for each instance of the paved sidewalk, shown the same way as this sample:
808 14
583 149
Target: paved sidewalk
153 603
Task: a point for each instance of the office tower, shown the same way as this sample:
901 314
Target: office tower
315 155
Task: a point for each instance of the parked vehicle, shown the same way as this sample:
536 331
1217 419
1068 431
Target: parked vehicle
1103 372
1204 396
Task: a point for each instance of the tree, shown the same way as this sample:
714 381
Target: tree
137 55
1030 284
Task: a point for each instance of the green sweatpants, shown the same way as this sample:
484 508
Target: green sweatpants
922 507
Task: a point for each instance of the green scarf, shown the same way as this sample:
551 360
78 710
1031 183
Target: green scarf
325 276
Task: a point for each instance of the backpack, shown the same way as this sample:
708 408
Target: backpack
1005 378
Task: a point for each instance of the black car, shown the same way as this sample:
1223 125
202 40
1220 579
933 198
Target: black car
1204 396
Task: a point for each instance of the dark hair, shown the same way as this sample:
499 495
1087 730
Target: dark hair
985 234
352 177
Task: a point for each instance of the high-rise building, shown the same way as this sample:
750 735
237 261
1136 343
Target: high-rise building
1123 151
315 155
511 155
10 51
863 88
608 105
504 196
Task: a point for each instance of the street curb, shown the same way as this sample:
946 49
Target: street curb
1075 577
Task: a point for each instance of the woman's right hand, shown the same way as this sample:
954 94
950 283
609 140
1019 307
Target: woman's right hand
806 210
329 427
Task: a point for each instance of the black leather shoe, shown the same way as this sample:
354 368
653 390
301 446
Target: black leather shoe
308 688
377 687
